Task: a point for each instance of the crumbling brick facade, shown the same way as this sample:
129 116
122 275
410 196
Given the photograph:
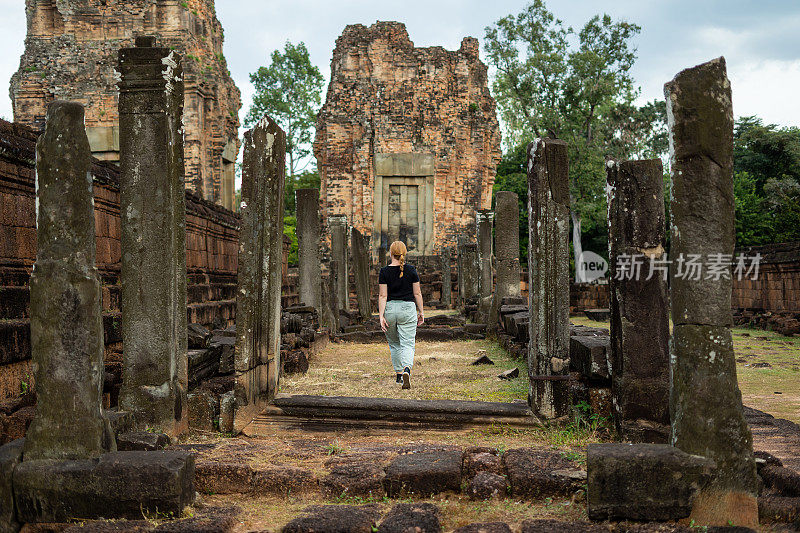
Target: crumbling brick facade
70 53
408 139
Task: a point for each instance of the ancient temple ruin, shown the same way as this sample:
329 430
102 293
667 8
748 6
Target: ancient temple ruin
70 54
408 139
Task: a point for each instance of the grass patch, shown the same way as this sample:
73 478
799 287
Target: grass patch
442 371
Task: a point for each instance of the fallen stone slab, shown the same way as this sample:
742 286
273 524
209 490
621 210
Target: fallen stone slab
511 309
484 527
535 473
142 441
598 315
482 359
354 479
202 365
416 517
424 473
475 328
10 457
487 486
335 519
651 482
117 485
509 374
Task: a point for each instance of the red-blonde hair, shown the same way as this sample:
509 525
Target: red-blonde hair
398 251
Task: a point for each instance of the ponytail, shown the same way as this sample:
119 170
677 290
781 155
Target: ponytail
398 251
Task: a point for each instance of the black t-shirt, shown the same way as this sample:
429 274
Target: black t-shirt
399 288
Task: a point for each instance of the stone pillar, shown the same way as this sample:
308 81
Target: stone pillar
152 207
330 300
308 239
258 300
705 401
639 306
361 261
548 278
468 273
339 253
507 244
65 312
484 220
447 279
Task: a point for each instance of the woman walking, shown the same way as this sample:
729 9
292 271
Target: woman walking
400 310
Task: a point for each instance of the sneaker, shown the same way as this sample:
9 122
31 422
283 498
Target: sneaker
407 378
399 378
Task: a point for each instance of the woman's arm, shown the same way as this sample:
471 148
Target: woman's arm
383 294
418 299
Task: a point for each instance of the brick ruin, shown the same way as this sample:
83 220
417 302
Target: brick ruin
70 53
408 139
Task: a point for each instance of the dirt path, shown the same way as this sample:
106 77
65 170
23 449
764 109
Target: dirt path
442 371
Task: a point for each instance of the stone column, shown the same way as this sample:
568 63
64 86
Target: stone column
330 301
66 316
507 243
705 401
152 207
258 300
447 279
361 261
639 306
548 277
339 253
468 273
484 220
308 239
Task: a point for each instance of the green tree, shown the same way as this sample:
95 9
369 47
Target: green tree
766 162
580 91
289 90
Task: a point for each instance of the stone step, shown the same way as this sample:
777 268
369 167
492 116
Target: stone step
324 413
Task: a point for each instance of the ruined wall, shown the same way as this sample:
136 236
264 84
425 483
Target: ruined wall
70 53
408 139
212 235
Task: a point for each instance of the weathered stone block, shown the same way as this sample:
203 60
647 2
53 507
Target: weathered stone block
117 485
589 356
418 517
484 527
335 519
142 441
354 479
203 410
534 473
487 486
653 482
424 473
308 240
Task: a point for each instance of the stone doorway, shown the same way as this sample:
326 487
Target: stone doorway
403 215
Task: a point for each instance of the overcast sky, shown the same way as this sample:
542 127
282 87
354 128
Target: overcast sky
760 39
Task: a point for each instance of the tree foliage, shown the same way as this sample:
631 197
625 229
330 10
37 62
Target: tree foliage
766 182
576 86
289 90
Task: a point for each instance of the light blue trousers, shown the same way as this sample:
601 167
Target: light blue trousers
401 333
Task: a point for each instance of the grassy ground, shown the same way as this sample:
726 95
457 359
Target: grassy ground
456 510
768 368
442 370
